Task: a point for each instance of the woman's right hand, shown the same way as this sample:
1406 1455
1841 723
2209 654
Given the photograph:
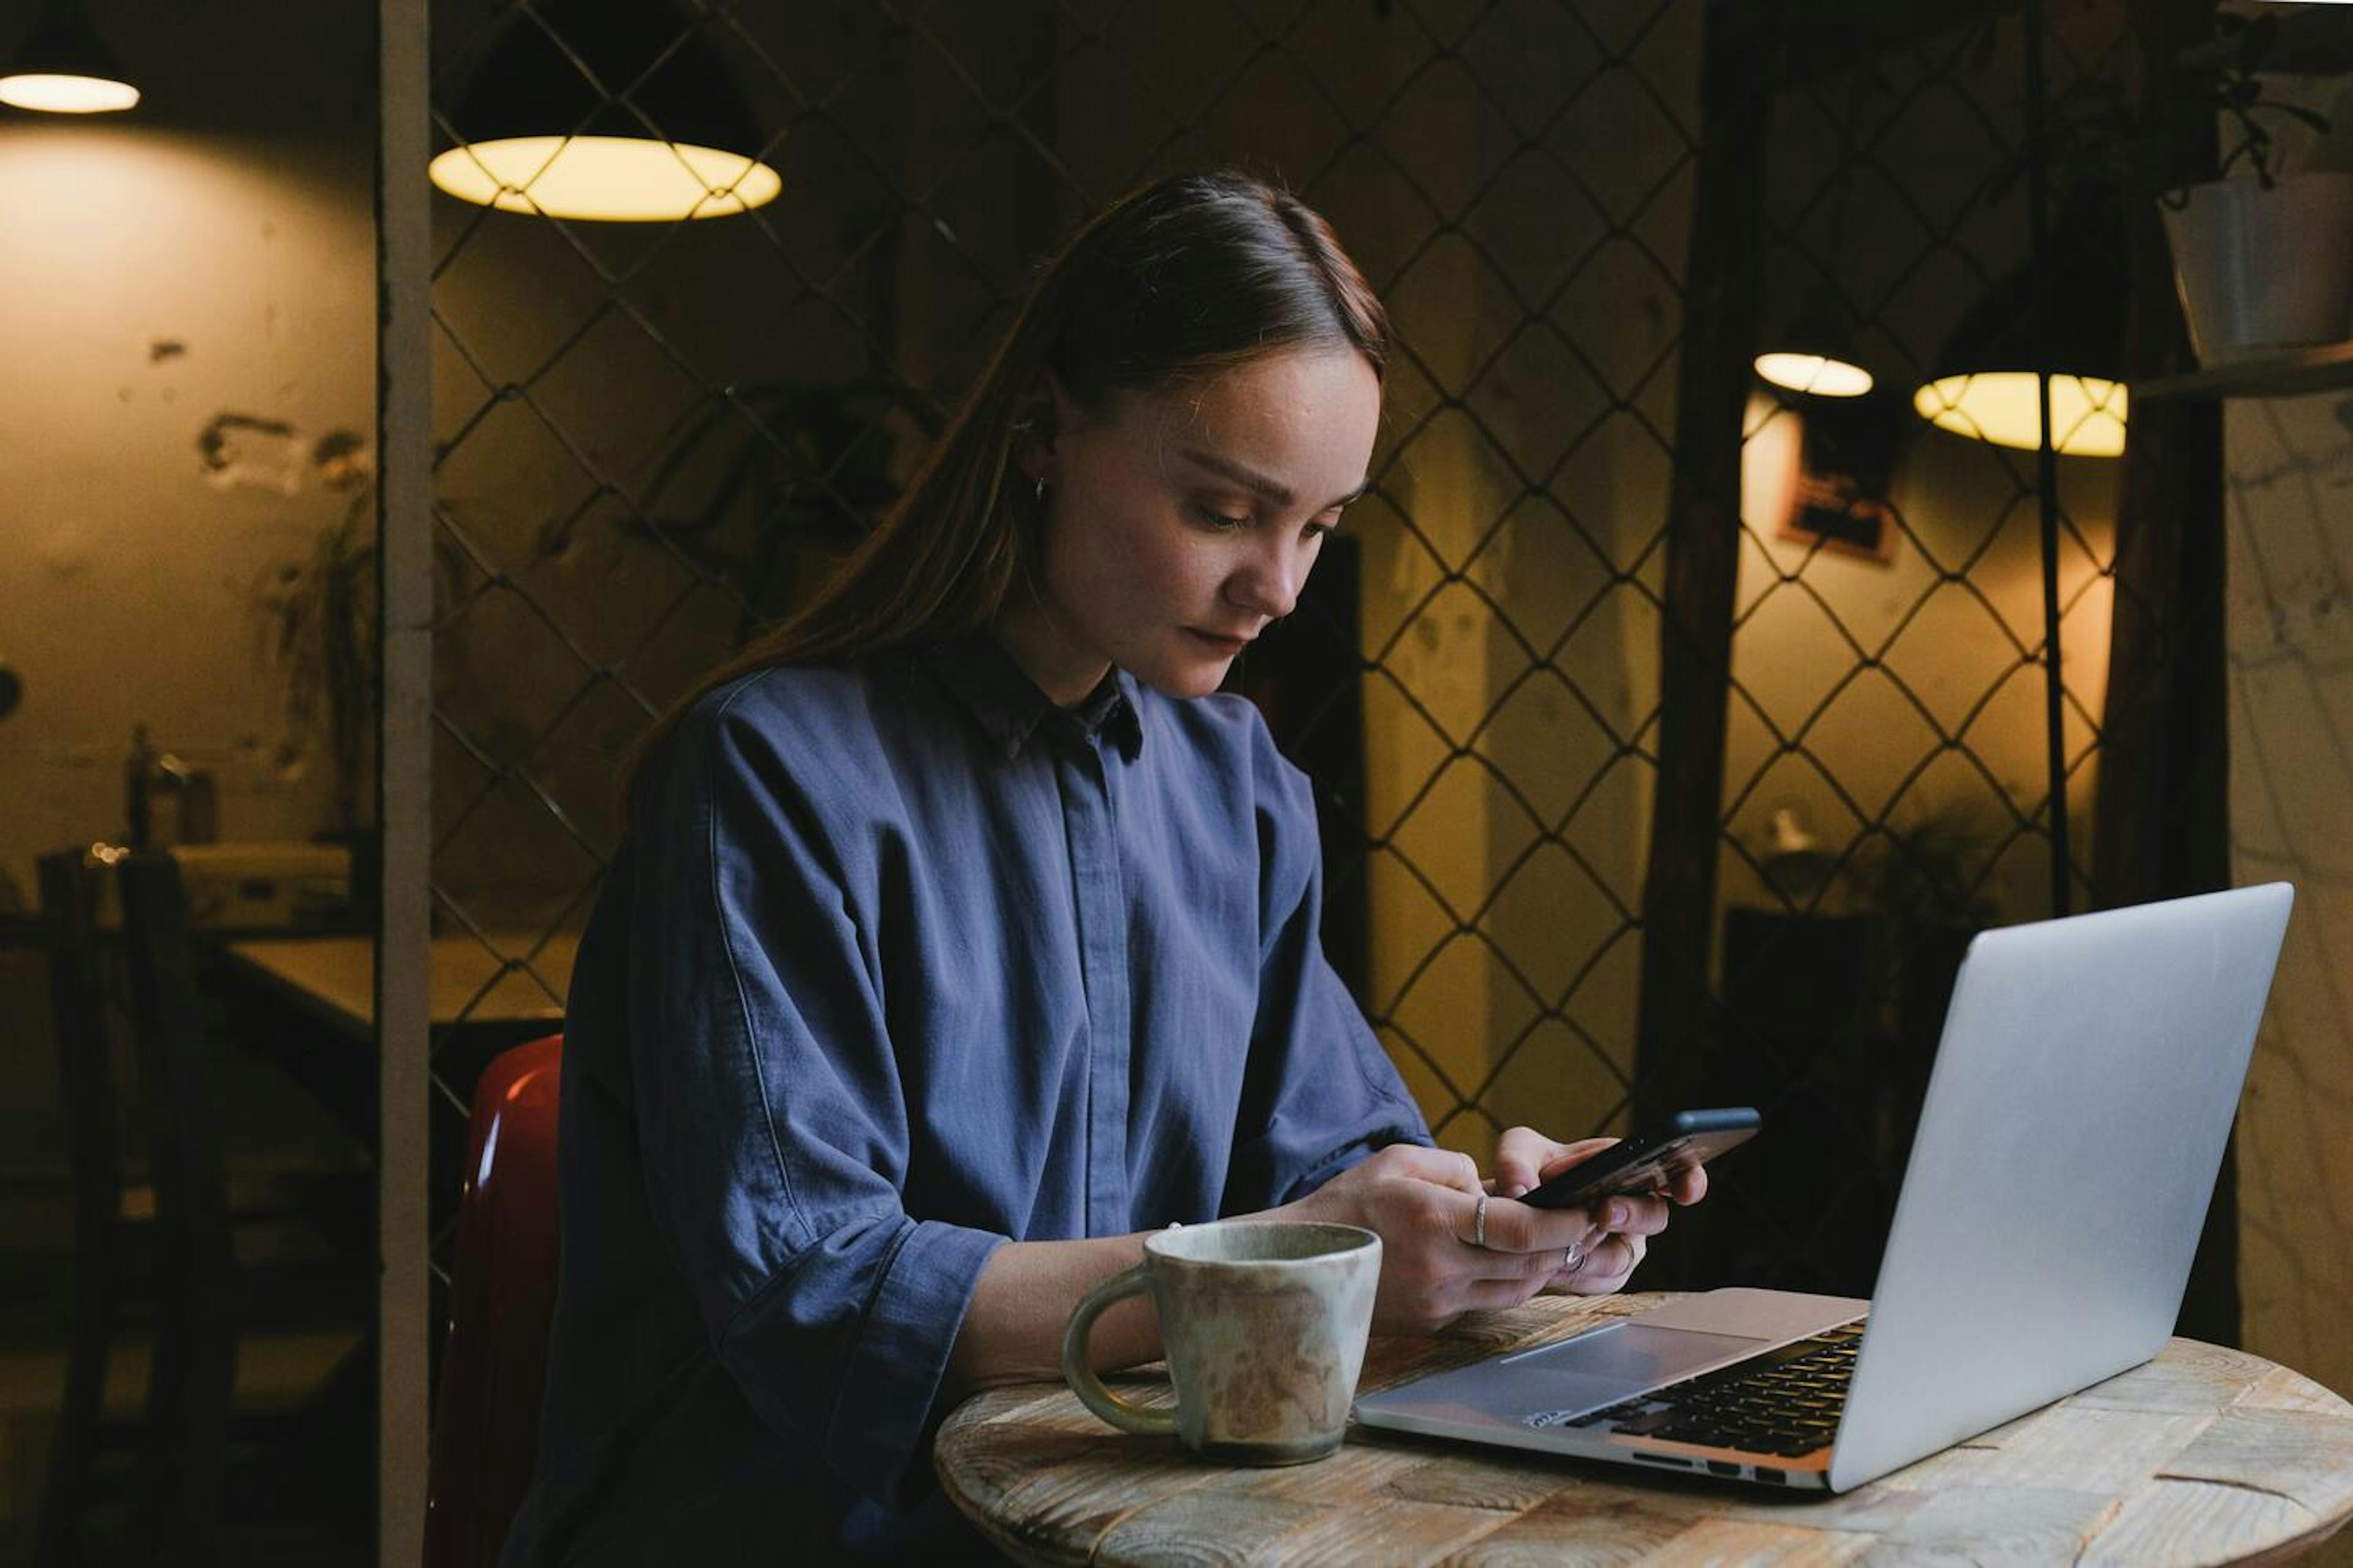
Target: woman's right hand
1424 1205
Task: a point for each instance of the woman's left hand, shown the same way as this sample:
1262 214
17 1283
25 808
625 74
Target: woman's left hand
1616 1228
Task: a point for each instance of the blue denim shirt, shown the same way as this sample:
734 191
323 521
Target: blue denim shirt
899 961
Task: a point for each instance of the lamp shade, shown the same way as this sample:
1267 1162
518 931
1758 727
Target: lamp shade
1814 356
63 69
1813 373
622 113
2071 326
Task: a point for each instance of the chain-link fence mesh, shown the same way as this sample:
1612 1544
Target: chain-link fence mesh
652 433
1888 776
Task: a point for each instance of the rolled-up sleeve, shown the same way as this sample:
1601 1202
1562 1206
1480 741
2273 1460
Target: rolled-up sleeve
1320 1094
770 1111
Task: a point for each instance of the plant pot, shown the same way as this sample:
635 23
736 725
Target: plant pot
2261 270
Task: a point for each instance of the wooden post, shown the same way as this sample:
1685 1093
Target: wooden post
1703 548
404 762
2162 813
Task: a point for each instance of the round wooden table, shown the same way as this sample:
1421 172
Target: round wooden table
2202 1456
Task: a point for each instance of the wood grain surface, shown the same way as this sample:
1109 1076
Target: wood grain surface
2202 1456
334 977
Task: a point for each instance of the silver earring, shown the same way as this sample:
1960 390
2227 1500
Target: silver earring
1041 492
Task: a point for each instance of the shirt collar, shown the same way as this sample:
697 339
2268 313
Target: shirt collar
1009 709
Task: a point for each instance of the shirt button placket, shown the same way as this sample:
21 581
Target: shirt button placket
1102 962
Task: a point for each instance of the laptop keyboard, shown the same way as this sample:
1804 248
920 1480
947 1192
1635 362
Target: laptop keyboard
1786 1401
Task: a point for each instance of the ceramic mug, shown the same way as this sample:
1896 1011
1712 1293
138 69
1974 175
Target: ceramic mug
1264 1323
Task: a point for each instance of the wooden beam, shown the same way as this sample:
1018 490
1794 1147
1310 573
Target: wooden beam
2161 816
404 762
1720 314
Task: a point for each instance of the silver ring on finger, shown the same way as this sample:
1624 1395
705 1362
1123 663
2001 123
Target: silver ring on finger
1572 1261
1479 1223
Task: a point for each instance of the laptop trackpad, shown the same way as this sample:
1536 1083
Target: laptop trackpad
1615 1364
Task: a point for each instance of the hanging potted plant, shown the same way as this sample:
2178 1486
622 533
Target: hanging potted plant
2262 258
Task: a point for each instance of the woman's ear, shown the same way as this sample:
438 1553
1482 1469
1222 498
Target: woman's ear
1038 418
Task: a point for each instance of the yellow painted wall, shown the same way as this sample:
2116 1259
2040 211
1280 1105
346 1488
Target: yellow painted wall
160 278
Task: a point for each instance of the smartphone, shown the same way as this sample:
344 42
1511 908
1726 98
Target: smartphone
1646 1161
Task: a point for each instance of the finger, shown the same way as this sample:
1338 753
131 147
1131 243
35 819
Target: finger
1585 1262
1513 1226
1569 1154
1516 1267
1496 1295
1690 1184
1641 1215
1604 1269
1625 1255
1439 1286
1521 1155
1513 1230
1454 1213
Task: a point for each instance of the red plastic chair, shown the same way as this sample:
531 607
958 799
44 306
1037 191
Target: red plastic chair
502 1299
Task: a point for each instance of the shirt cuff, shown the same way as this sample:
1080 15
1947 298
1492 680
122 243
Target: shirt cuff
884 1415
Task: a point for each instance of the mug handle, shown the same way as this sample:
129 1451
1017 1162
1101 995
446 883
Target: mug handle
1078 1369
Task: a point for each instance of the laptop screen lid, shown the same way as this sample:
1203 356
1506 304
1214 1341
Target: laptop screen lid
2075 1118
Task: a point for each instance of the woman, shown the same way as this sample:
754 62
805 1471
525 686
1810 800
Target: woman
962 936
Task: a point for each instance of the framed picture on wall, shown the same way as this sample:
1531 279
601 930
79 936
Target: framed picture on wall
1846 457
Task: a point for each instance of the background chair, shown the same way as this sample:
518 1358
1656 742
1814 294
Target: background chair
193 1375
182 1268
502 1299
85 1082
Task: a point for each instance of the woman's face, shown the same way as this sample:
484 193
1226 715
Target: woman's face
1180 522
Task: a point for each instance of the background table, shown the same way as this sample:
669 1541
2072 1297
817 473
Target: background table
336 976
2203 1455
307 1005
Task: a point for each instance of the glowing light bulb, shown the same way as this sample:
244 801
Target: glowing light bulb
55 94
1815 373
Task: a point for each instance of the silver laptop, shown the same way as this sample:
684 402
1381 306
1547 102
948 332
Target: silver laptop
2087 1077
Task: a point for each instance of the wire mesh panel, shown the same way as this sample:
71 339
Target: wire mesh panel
1887 770
653 434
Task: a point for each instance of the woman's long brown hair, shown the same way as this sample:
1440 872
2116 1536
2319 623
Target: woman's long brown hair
1183 276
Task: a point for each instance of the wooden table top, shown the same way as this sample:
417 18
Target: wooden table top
2202 1456
335 977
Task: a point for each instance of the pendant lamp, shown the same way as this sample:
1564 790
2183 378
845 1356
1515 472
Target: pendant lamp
64 70
603 110
1813 351
1815 357
1985 385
